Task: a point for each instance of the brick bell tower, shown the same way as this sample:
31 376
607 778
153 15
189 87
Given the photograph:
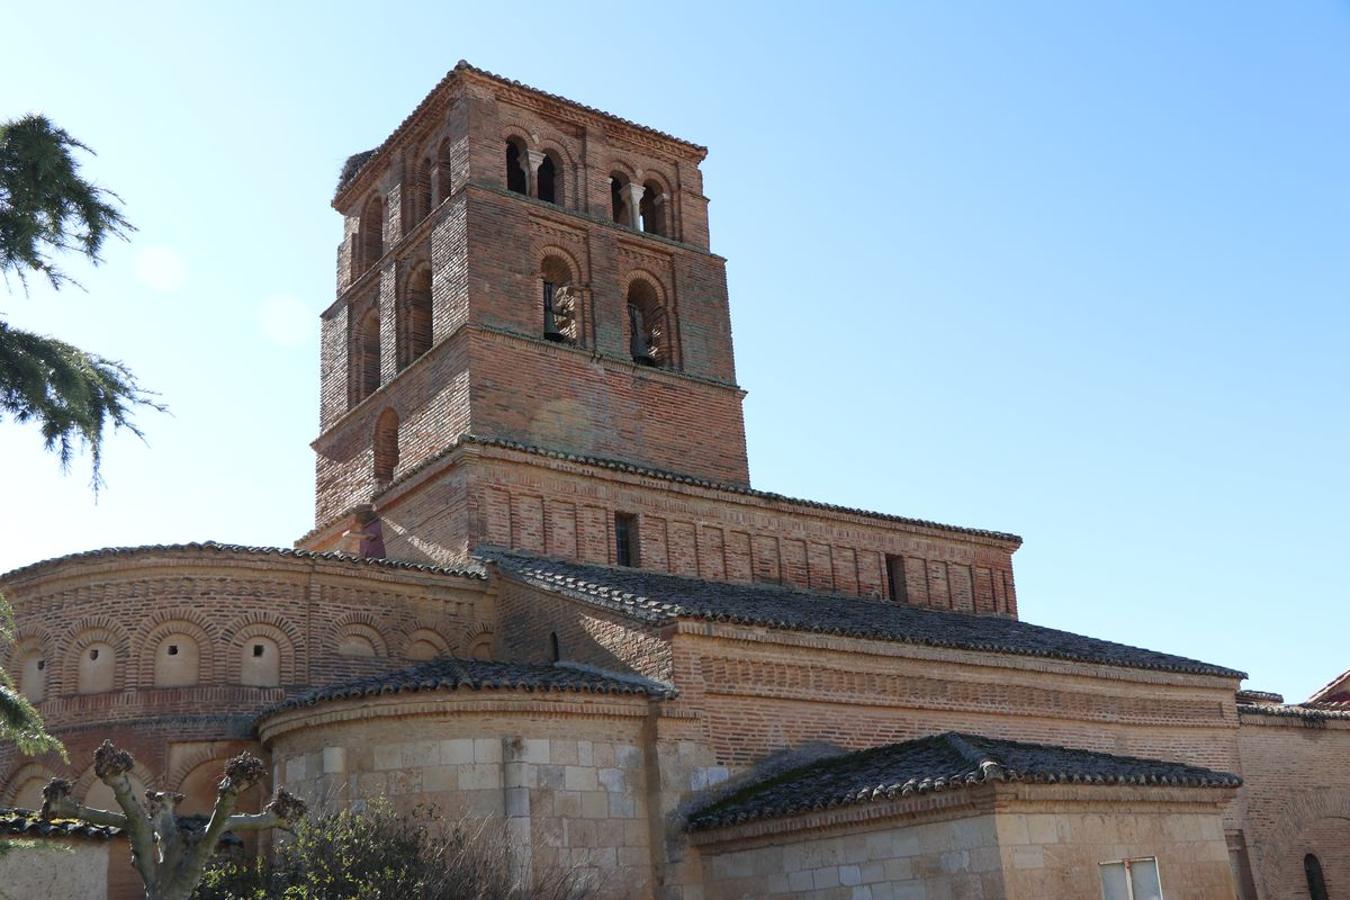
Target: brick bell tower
518 273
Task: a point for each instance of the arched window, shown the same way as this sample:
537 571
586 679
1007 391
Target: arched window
559 301
653 209
176 662
97 666
554 648
386 447
515 166
648 327
370 234
443 171
33 676
549 177
261 665
415 329
1317 883
366 357
618 203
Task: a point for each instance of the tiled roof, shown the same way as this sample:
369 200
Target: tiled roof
29 823
1312 711
450 673
659 598
1334 689
471 571
943 762
1259 697
351 169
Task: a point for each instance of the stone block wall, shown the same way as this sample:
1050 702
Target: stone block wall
566 779
955 858
54 867
1011 843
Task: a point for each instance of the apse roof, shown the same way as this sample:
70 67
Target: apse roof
451 673
660 598
469 571
942 762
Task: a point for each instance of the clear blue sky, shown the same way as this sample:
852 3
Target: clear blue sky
1076 271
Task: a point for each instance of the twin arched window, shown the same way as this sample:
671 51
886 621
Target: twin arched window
642 206
540 176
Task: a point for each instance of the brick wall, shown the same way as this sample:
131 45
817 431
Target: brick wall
1295 800
566 508
221 602
527 620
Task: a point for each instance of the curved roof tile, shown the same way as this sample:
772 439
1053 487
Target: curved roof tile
660 598
943 762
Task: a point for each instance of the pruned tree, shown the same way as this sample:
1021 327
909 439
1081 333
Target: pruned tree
170 854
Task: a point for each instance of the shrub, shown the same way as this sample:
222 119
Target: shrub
379 853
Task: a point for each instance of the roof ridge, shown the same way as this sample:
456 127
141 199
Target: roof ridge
990 767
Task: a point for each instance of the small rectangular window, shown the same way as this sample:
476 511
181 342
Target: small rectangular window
257 649
895 578
1131 879
625 539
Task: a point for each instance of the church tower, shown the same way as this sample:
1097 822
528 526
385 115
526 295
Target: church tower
517 268
531 350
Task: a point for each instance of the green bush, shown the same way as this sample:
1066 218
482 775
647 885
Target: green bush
381 855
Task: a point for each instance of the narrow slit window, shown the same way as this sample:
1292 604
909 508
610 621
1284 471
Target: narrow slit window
554 650
625 539
895 579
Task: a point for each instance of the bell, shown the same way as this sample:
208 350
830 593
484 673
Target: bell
551 332
637 342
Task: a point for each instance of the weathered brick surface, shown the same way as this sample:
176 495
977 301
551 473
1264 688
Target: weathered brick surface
1296 801
220 602
691 530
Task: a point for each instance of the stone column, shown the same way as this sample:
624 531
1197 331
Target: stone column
633 197
517 778
535 159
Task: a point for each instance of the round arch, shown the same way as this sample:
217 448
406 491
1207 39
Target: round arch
1281 861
